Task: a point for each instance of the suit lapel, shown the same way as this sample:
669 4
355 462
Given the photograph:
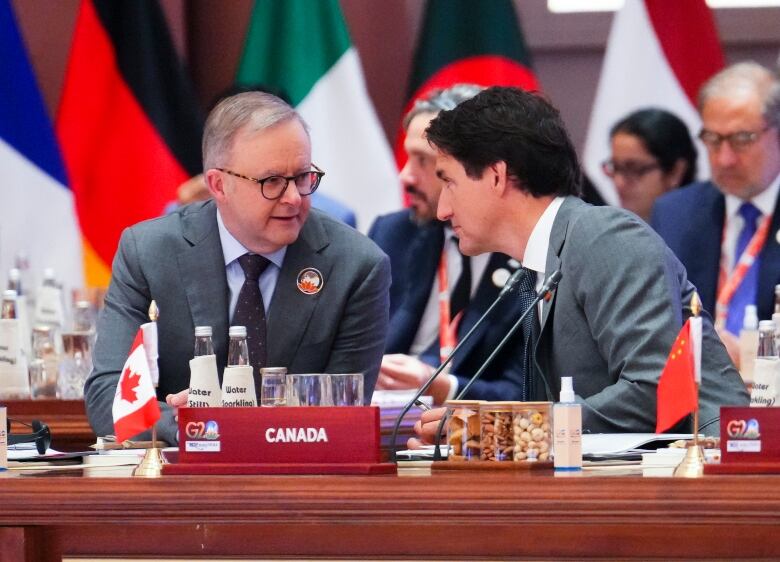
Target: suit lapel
202 271
419 276
291 309
769 269
703 260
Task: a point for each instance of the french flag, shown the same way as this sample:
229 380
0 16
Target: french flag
659 53
38 213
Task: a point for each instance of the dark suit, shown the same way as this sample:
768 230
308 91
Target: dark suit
613 319
414 253
690 220
177 260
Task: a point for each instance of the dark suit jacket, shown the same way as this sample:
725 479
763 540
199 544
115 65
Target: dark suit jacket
613 319
690 220
177 260
414 253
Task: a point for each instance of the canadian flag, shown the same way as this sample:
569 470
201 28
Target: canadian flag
659 53
135 402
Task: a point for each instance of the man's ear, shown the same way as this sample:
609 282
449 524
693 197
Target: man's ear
215 181
498 178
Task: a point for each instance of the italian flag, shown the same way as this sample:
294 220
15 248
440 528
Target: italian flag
659 53
463 41
302 50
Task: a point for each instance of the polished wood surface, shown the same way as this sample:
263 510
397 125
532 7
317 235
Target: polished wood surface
448 515
67 420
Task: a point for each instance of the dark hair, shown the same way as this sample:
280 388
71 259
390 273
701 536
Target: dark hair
514 126
664 135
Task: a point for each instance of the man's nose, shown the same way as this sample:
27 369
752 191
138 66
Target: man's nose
291 195
724 155
406 175
444 209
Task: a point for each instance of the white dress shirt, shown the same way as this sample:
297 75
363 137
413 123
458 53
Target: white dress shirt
535 256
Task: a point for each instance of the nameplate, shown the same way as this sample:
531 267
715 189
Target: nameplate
283 435
749 435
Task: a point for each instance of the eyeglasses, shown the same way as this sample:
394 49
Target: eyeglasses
631 170
273 187
737 141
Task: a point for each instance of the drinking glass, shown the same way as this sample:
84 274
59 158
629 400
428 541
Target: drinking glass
347 389
308 390
273 386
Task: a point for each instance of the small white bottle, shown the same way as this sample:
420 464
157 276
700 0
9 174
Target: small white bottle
767 371
748 344
3 439
567 427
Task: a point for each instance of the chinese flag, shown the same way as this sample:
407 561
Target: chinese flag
677 388
135 402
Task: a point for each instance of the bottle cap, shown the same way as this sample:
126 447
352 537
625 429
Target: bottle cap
14 274
777 290
750 321
9 294
237 332
48 274
766 325
567 389
202 331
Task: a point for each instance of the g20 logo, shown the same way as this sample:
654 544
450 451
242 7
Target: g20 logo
202 430
741 429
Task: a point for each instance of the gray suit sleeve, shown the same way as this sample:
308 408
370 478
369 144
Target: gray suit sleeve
631 301
126 308
360 340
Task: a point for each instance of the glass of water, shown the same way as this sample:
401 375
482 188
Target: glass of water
347 389
308 390
273 386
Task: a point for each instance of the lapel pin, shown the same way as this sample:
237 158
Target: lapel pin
513 263
310 281
500 277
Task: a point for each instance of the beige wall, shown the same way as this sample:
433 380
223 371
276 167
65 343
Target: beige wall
567 48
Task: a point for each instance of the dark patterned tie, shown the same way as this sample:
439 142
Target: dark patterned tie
746 291
250 312
461 292
528 328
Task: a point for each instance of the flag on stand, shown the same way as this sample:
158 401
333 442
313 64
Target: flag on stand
659 53
128 123
38 214
462 41
677 393
135 402
303 49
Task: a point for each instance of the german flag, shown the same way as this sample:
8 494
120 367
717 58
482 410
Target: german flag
463 41
128 125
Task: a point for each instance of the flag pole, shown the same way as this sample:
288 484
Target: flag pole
692 465
151 465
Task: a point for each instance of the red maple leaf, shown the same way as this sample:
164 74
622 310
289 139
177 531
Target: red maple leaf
128 385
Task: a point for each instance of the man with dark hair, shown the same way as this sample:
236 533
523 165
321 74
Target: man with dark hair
510 177
438 294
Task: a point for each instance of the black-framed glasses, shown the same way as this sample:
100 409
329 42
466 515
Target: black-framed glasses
41 435
631 169
737 141
273 187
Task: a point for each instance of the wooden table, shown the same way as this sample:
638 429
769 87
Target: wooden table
450 515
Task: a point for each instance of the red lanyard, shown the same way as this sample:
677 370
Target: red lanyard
728 284
448 328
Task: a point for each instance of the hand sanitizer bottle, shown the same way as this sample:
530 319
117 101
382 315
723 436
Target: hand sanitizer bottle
567 427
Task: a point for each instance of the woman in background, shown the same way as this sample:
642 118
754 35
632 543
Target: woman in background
652 153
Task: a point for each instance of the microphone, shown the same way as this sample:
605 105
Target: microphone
547 288
509 287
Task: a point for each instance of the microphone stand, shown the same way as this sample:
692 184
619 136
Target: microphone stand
509 287
549 286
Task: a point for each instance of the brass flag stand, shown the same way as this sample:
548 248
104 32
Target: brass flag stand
151 465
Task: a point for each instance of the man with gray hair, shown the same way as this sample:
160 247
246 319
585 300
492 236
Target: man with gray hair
437 293
714 226
312 292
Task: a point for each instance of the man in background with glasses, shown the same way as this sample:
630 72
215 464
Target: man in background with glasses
725 231
312 292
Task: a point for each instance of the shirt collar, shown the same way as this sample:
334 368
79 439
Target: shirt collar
232 249
764 201
535 257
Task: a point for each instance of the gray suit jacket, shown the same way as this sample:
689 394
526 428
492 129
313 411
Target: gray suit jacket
614 317
177 261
